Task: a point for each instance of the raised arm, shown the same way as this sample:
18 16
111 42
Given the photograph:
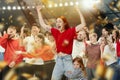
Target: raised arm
83 23
41 20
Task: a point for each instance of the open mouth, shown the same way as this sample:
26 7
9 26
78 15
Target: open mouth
59 26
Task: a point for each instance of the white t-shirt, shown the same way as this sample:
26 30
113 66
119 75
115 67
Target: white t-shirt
110 54
78 50
30 41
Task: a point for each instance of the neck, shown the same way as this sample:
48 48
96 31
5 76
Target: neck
62 31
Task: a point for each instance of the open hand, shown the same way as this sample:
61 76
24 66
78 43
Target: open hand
39 7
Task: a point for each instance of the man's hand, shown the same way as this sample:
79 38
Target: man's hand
11 36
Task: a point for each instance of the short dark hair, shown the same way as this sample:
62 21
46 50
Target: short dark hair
35 24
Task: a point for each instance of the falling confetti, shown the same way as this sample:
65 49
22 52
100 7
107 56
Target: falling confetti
45 1
3 19
2 64
118 5
30 13
20 19
11 21
115 19
10 17
111 6
9 1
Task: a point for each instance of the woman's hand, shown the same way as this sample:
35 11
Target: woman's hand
38 8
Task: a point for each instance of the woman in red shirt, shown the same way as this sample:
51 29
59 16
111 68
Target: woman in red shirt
63 36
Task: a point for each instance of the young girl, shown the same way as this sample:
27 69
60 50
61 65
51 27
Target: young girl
79 72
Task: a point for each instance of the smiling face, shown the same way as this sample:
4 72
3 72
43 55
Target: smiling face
60 24
104 32
93 38
76 65
81 35
35 30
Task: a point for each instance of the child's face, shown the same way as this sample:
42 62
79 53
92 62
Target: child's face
38 40
76 65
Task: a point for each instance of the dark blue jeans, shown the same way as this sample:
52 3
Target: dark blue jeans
118 61
116 75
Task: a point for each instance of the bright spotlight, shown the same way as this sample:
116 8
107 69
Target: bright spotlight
56 5
9 7
60 4
66 4
50 5
4 8
14 8
43 6
33 7
18 7
71 3
28 7
23 7
90 3
77 3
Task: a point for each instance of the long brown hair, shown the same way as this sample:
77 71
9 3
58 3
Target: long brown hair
65 21
117 35
80 61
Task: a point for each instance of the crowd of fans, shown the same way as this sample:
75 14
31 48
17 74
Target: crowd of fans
88 49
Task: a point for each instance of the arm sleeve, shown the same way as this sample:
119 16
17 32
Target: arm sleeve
54 32
75 74
3 40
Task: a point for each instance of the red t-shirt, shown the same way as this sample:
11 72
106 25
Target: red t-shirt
118 48
64 40
10 46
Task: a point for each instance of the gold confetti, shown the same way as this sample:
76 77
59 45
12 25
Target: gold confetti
115 19
26 75
112 7
11 21
2 64
109 74
20 19
30 13
1 26
3 19
118 5
45 1
9 1
10 17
